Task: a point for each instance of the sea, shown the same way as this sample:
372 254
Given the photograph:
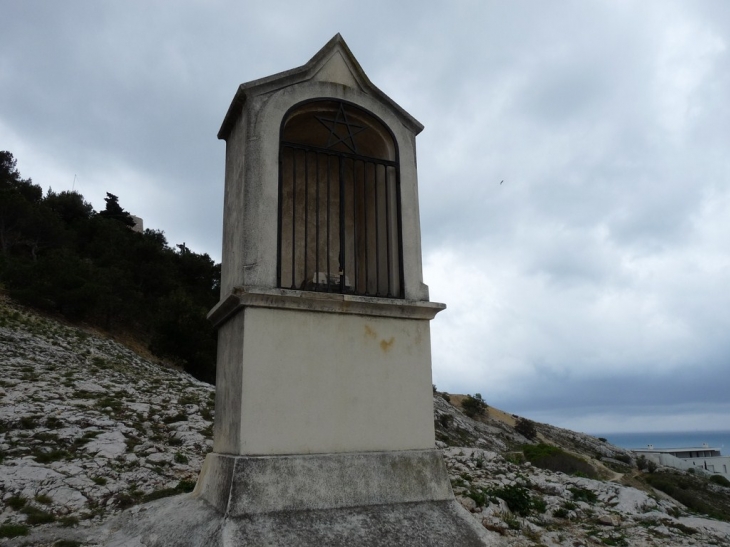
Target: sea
715 439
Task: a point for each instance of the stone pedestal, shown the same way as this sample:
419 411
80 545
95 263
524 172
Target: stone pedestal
302 373
240 486
357 499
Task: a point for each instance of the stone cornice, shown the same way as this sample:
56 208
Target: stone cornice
256 297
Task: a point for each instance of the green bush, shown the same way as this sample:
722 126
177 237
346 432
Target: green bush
719 479
535 452
516 458
480 497
553 458
474 406
526 428
539 505
583 494
516 497
691 492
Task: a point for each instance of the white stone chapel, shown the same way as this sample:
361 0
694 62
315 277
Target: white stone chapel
324 431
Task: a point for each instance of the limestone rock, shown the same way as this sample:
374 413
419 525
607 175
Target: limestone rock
609 520
467 503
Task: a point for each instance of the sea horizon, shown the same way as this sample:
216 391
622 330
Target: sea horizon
669 439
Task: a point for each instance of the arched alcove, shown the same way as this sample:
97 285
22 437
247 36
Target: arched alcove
339 202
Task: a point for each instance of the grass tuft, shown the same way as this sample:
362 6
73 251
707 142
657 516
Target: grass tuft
13 530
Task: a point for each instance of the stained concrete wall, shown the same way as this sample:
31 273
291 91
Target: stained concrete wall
299 382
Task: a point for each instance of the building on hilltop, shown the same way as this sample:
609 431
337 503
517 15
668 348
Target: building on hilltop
138 224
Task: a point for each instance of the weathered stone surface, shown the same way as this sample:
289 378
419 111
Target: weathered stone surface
186 521
467 503
609 520
239 485
108 445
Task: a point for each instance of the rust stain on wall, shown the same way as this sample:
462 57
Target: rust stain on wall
385 345
369 332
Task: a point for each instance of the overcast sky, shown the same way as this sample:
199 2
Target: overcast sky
590 290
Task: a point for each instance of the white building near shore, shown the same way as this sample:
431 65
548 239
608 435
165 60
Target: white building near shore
704 458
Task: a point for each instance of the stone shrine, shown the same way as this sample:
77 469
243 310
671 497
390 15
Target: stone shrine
324 429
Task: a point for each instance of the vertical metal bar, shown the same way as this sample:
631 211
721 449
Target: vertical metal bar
387 229
354 225
399 237
294 219
306 215
279 250
401 271
316 228
365 211
343 255
329 211
377 232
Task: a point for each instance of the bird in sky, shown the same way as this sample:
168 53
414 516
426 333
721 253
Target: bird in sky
501 182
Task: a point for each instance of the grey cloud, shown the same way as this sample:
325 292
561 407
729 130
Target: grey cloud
695 385
602 250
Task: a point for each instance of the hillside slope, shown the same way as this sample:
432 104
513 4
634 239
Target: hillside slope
576 490
88 428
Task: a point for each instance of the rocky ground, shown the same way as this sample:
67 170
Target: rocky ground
531 506
88 428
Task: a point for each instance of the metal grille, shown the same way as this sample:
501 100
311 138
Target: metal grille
339 222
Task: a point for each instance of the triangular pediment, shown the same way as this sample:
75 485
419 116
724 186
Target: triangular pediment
333 63
337 70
